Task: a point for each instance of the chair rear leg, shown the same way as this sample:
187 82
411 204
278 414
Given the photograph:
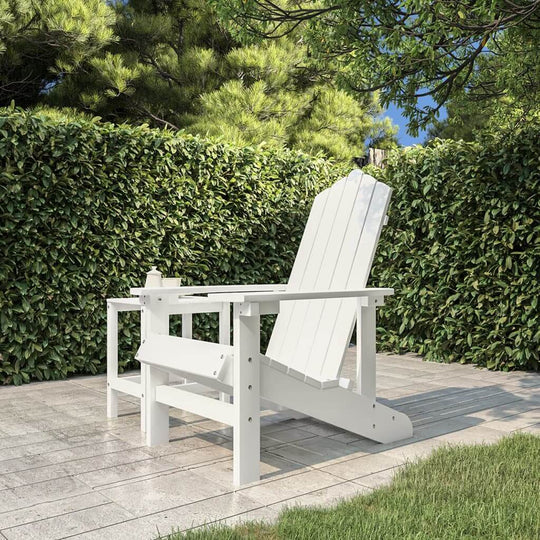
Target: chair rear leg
157 414
112 360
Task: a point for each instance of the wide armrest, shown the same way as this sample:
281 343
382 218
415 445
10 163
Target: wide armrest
276 296
204 289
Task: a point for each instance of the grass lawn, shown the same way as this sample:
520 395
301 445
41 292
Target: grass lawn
485 491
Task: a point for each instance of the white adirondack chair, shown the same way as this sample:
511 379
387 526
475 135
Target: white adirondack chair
301 368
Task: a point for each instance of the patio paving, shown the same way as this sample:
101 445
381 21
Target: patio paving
68 472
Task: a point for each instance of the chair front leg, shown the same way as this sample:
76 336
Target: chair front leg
246 389
157 414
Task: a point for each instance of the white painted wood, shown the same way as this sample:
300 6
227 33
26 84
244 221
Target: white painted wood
339 266
127 385
300 263
247 298
203 289
112 359
365 351
195 387
225 324
246 393
342 315
225 337
125 304
175 396
318 308
304 358
322 245
337 406
157 414
186 305
185 356
187 325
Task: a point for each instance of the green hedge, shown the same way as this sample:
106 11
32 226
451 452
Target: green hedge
463 252
86 208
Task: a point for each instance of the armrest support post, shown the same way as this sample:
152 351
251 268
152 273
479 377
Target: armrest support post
365 346
246 394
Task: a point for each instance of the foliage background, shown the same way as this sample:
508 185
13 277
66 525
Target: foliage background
87 207
462 251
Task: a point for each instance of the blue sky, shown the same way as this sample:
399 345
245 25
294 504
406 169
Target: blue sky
404 138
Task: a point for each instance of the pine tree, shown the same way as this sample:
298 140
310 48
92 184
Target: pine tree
174 65
42 42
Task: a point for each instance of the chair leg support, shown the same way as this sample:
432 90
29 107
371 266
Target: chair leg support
157 414
337 406
112 359
246 388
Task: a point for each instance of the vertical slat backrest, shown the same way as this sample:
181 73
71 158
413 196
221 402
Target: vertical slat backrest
336 252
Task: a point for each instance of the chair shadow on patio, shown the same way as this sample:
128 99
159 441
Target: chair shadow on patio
444 415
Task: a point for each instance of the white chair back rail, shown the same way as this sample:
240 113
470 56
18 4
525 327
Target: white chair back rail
336 252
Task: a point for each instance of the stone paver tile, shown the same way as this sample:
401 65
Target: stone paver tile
200 456
462 381
463 409
111 473
346 437
265 514
204 512
441 427
30 495
23 440
163 492
88 450
288 436
21 464
518 421
473 435
286 488
328 448
451 399
362 466
70 524
534 429
324 497
500 412
183 439
51 446
378 479
414 450
321 429
272 425
386 382
298 454
135 529
273 466
47 510
221 472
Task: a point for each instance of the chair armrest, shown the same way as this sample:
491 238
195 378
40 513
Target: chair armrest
203 289
125 304
276 296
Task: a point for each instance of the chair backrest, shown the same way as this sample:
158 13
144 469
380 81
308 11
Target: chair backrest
336 253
